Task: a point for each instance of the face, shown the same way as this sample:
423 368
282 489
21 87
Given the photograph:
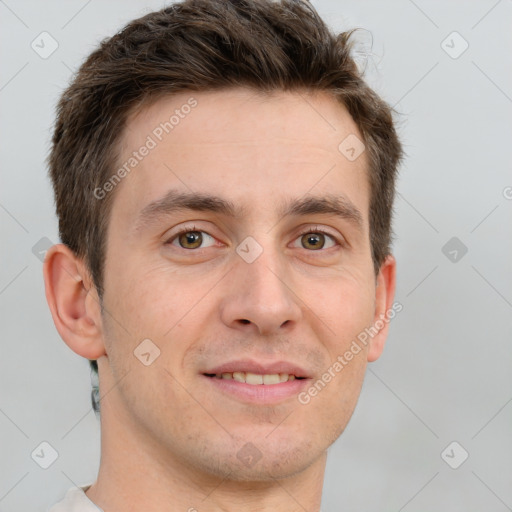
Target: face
238 249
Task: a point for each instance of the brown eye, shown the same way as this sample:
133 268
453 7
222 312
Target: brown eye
190 239
313 241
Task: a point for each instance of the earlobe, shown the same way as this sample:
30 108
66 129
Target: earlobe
73 302
384 296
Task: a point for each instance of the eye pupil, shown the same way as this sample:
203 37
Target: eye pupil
316 240
194 238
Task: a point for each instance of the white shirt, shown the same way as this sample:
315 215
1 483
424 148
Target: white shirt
76 501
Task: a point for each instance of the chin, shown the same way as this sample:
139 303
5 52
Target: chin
261 461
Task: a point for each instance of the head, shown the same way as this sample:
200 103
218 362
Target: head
187 132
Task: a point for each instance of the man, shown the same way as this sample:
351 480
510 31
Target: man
224 183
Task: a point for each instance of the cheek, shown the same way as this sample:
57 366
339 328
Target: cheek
347 307
156 305
350 311
145 302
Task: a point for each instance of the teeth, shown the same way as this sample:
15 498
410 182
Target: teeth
271 379
253 378
239 376
256 379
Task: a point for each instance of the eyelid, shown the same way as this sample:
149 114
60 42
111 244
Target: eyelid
338 239
187 229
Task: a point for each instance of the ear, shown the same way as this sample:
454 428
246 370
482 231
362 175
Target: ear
384 295
74 302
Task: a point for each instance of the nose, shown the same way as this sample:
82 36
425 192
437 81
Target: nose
260 298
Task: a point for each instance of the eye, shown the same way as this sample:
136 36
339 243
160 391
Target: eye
191 239
316 239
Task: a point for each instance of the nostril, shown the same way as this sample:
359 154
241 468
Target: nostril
244 321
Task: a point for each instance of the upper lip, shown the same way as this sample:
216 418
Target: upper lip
247 365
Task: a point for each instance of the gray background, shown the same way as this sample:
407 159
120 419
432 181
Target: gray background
445 374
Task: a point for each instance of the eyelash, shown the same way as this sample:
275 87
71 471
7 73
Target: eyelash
305 232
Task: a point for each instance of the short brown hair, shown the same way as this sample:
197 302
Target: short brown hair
201 45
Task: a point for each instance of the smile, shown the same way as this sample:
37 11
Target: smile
255 379
257 388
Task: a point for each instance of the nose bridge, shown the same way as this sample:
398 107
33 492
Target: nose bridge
266 275
260 289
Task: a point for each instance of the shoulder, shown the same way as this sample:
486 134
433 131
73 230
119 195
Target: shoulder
75 500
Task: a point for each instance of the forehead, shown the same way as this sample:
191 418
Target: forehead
249 147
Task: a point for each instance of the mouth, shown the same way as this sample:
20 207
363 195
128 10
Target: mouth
255 379
256 383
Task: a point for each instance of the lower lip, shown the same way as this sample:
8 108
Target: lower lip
261 393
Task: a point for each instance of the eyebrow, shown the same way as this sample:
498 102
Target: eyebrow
175 201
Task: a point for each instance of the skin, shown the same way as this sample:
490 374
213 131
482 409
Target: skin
169 437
